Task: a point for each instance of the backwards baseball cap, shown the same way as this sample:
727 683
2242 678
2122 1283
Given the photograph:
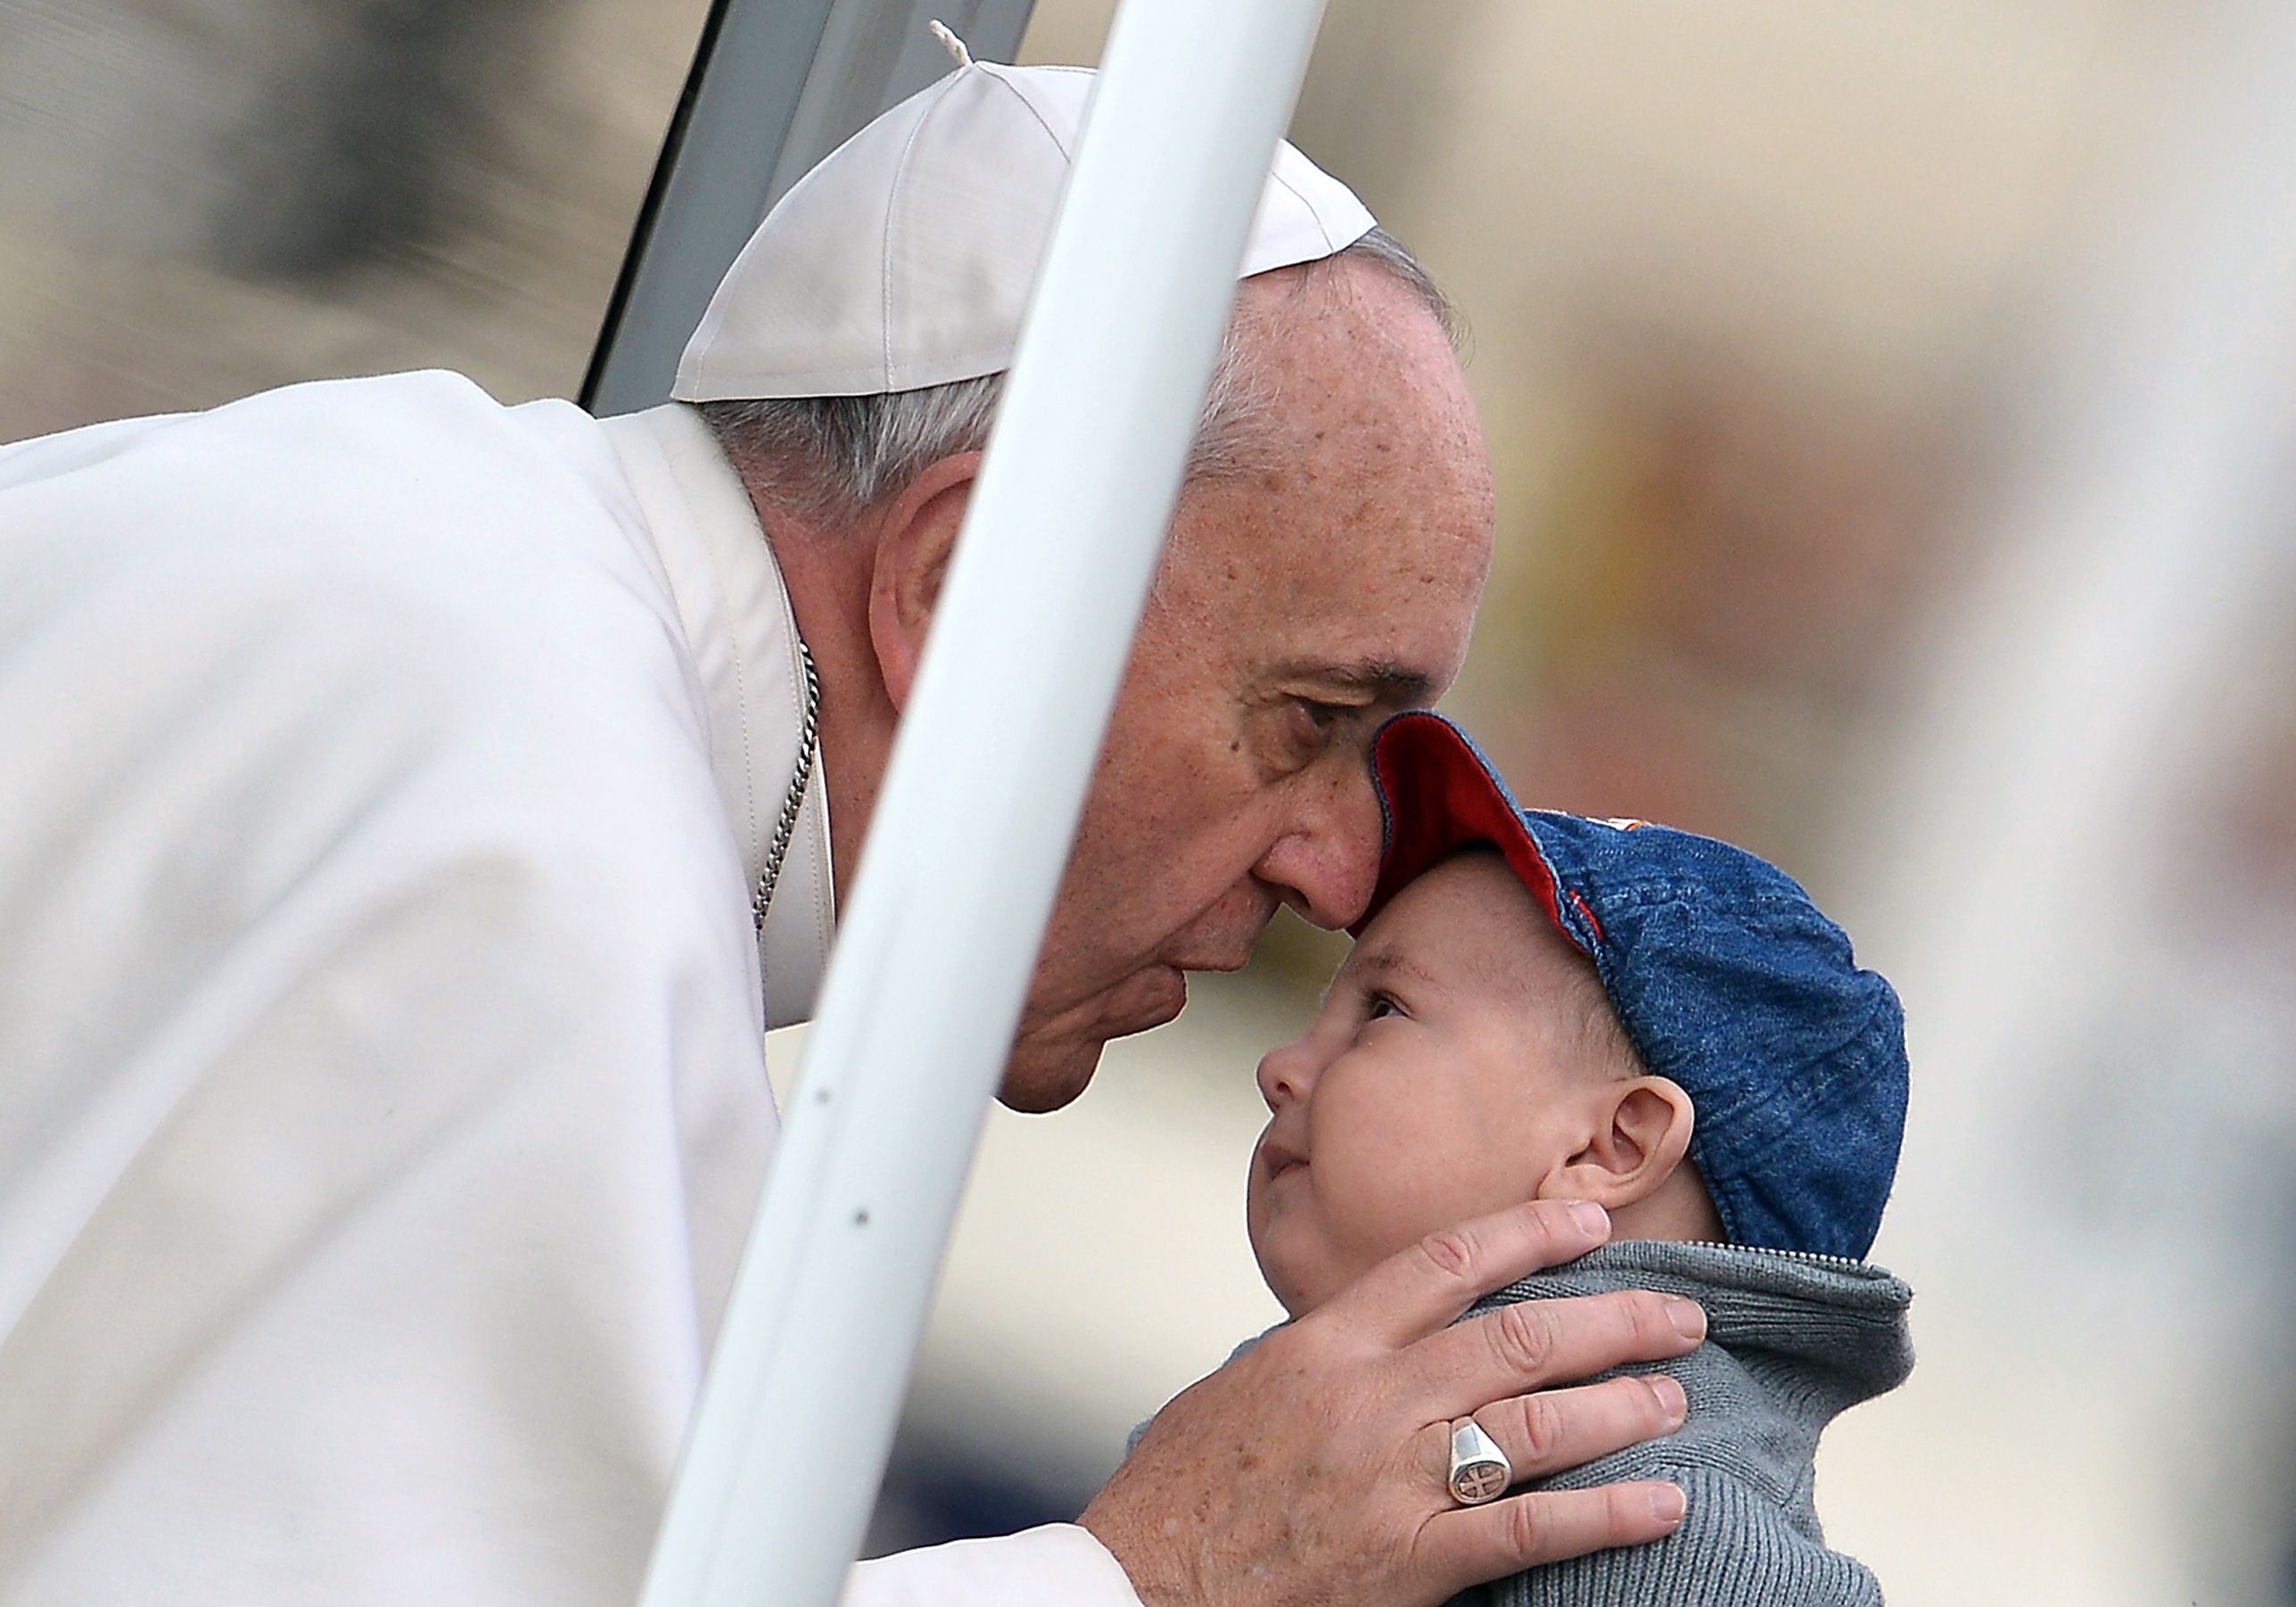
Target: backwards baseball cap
1726 976
906 258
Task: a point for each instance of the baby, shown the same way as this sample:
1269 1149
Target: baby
1540 1006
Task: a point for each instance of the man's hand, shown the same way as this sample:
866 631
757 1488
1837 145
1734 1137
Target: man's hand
1312 1468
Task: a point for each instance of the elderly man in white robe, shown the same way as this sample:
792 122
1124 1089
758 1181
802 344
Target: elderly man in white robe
417 809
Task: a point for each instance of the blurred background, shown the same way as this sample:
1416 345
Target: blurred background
1892 408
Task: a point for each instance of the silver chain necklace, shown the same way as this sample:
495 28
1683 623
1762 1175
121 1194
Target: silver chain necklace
809 748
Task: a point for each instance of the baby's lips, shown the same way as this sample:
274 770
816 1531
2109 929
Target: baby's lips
1277 1158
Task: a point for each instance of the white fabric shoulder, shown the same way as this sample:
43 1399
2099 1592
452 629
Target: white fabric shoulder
384 1097
1058 1565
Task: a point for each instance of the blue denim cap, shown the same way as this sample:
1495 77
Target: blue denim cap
1726 976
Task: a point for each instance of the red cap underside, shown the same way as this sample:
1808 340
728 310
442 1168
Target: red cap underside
1440 800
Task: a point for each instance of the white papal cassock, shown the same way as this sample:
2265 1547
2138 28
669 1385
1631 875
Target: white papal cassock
382 776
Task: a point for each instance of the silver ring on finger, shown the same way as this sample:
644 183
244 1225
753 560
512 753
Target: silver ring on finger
1479 1470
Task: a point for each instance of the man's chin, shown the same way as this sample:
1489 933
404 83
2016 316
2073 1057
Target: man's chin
1053 1062
1044 1077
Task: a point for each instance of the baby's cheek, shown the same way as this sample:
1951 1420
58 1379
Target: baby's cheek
1383 1215
1442 1191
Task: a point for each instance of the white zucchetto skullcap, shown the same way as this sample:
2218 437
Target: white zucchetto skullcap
905 259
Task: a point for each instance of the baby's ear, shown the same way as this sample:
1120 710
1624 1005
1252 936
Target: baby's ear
1638 1134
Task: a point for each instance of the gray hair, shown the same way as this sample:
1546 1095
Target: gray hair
828 458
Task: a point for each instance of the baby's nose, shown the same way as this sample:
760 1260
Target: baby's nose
1284 1075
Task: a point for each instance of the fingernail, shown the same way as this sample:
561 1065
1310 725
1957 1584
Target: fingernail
1590 1217
1688 1318
1672 1401
1668 1503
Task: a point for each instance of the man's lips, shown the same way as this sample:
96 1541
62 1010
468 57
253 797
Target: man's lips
1148 997
1157 992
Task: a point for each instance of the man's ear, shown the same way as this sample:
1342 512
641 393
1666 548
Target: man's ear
1639 1133
915 540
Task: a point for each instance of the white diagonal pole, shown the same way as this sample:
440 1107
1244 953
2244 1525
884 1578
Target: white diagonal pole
980 804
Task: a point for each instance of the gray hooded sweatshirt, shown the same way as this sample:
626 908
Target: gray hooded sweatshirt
1791 1342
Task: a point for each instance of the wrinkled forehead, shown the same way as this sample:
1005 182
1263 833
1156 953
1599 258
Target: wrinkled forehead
1348 524
1341 349
1319 564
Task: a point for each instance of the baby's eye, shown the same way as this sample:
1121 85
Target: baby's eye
1379 1006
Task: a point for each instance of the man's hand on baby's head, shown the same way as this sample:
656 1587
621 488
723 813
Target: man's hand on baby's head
1312 1468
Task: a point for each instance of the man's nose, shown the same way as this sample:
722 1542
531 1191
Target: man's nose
1325 865
1285 1074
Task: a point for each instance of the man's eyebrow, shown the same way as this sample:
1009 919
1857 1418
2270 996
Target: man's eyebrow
1381 679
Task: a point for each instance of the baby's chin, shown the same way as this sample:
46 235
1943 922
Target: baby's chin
1286 1292
1300 1296
1298 1287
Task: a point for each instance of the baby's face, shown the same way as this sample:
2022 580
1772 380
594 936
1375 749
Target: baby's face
1446 1076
